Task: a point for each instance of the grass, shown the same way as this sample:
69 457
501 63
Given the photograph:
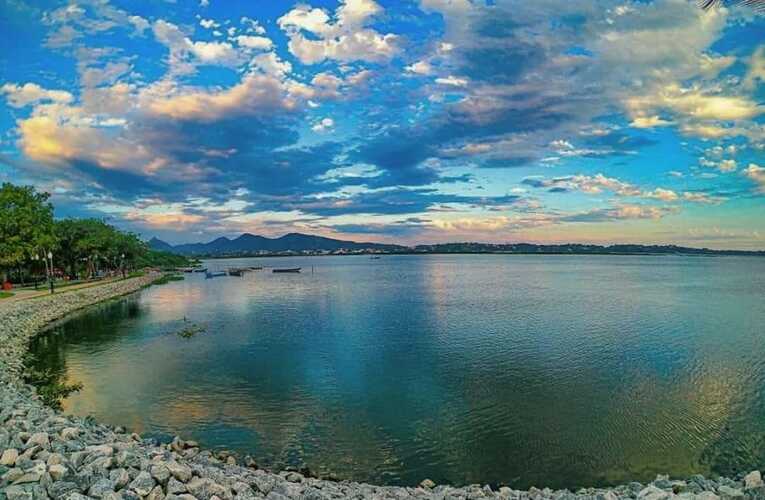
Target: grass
167 278
190 329
5 295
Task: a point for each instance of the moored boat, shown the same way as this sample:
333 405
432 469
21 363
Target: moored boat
215 274
235 272
287 270
200 270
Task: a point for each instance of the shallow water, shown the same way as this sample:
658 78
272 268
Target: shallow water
558 371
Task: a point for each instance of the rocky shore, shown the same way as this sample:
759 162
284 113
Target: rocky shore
44 454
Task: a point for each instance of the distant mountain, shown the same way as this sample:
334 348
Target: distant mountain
157 244
250 244
253 244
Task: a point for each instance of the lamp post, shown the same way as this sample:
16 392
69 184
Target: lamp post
35 258
122 265
50 273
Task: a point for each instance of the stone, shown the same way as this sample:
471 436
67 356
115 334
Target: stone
120 478
156 494
204 489
29 477
57 472
69 433
651 492
726 491
142 484
175 487
160 473
753 480
100 488
9 457
428 484
76 496
179 471
706 495
39 439
60 489
55 459
17 493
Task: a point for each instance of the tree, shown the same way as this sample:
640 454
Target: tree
26 225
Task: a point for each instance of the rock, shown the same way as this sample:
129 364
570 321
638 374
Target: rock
69 433
160 473
55 459
119 478
40 439
57 472
204 489
753 480
9 457
76 496
651 492
100 488
29 477
293 477
17 493
175 487
726 491
156 494
179 471
706 495
61 489
428 484
143 483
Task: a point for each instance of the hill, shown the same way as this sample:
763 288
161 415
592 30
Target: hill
251 244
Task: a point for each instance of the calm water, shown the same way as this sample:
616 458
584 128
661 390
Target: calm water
554 370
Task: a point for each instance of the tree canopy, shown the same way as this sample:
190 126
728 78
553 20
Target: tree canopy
26 224
81 247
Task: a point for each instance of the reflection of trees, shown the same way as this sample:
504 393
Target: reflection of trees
45 360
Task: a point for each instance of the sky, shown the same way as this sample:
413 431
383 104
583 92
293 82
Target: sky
422 121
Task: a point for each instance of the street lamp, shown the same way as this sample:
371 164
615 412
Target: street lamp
50 273
35 258
122 265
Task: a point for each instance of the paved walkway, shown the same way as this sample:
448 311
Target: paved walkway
30 293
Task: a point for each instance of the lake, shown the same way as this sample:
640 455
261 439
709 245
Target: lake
558 371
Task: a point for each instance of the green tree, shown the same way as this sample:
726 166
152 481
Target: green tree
26 225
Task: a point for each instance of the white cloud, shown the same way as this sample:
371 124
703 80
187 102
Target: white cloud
323 125
343 39
254 42
649 122
756 173
756 73
30 93
452 81
420 68
208 23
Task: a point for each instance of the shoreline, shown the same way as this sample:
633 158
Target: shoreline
46 454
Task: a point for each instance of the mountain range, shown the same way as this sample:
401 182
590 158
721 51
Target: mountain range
252 244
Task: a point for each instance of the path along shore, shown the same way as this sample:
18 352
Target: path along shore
45 454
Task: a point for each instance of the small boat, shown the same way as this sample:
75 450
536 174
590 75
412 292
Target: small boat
287 269
214 274
375 257
187 269
256 268
200 270
235 272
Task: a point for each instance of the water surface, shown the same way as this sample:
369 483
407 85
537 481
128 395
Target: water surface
560 371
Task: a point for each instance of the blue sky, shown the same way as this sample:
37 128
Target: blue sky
407 121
